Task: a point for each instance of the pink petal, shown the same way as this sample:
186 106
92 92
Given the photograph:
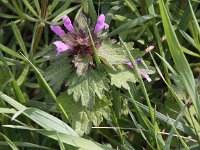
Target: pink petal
137 61
146 76
67 23
129 64
61 47
106 26
100 24
57 30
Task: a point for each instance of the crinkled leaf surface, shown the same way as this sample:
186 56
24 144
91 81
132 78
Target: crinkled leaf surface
86 87
113 53
58 71
81 63
81 118
121 76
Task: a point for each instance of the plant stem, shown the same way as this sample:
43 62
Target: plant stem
40 77
140 81
39 28
96 57
117 125
16 88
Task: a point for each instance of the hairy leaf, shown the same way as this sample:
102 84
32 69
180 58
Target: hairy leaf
81 63
81 118
85 87
58 71
121 76
112 53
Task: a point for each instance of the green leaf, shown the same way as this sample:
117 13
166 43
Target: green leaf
58 71
37 6
189 52
81 63
65 138
121 76
112 52
60 10
131 24
181 63
75 141
82 22
66 12
85 87
92 11
28 5
81 118
40 117
19 38
26 144
10 143
11 52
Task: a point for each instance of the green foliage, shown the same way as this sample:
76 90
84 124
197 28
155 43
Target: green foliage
121 76
81 63
112 52
58 71
86 87
99 90
81 118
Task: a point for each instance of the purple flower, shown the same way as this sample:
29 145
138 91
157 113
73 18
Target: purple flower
100 24
61 47
67 23
144 75
57 30
77 41
136 62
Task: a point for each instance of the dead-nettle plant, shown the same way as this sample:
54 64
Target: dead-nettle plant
79 51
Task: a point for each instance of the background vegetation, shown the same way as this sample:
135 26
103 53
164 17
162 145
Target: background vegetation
161 114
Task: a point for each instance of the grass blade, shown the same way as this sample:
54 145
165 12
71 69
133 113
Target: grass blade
10 143
28 5
19 38
179 58
45 84
130 24
11 52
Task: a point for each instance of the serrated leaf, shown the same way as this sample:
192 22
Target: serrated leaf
58 71
86 87
112 53
81 118
121 76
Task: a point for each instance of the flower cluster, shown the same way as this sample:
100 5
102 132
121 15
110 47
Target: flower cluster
77 40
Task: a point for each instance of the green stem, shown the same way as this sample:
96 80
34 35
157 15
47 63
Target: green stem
39 28
117 125
159 42
40 77
44 4
136 70
20 13
96 57
17 90
161 52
